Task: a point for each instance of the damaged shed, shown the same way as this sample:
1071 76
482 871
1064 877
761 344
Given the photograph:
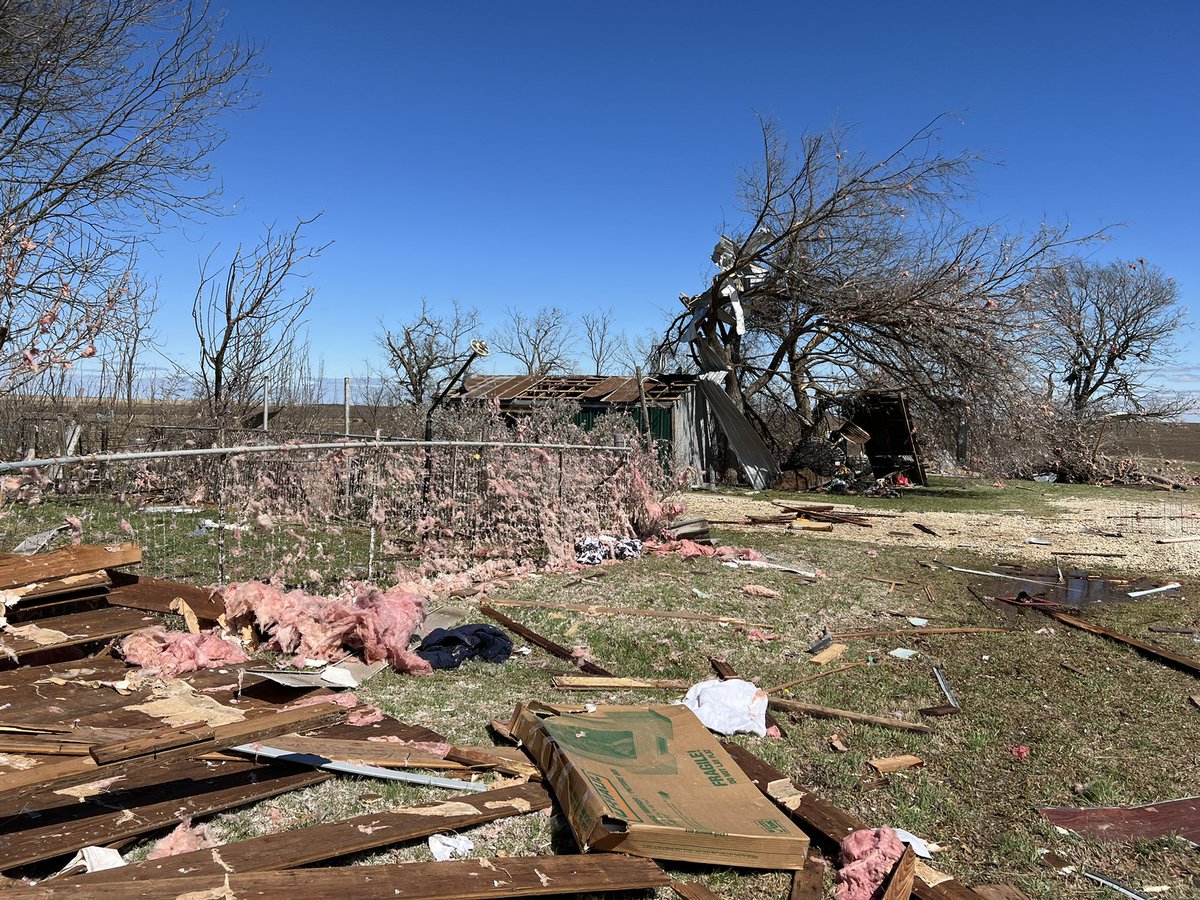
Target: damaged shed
676 412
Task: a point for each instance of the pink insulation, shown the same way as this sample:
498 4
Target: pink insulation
362 715
172 653
379 624
868 857
184 839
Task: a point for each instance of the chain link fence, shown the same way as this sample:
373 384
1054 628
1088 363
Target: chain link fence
323 513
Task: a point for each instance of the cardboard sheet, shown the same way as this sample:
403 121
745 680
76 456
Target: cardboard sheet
652 781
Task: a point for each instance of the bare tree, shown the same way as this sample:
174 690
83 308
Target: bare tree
109 110
1103 329
424 352
605 345
543 343
847 269
248 320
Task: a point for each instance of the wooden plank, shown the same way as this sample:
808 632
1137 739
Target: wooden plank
79 628
597 683
157 595
373 753
900 882
68 584
1164 656
795 681
828 825
887 764
907 631
72 771
184 791
596 610
68 561
694 890
1000 892
808 883
330 841
829 654
467 879
827 712
545 643
153 743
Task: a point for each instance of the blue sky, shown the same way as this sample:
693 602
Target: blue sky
585 154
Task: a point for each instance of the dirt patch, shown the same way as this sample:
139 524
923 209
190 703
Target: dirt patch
1004 536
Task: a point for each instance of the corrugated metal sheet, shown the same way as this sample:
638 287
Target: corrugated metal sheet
588 389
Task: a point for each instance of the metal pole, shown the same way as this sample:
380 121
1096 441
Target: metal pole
266 401
346 403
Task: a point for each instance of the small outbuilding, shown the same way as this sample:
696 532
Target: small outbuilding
677 414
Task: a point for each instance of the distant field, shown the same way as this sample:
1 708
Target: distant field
1166 441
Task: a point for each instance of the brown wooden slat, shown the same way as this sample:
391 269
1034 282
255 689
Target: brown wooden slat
153 743
828 712
1165 656
826 823
694 890
156 595
197 790
374 753
68 584
320 843
468 879
72 771
81 628
545 643
68 561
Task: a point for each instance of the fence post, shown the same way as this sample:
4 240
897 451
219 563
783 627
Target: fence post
372 512
346 404
266 402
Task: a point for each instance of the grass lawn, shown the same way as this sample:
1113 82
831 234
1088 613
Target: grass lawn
1122 732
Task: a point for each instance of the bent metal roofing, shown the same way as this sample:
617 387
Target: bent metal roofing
615 390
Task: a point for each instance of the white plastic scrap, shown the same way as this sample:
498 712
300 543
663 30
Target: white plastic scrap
729 707
902 653
919 846
94 859
450 846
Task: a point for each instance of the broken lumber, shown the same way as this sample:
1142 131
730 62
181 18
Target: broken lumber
467 879
545 643
827 712
828 825
158 595
595 610
795 681
598 683
1186 539
829 654
886 764
907 631
1164 656
81 770
148 746
334 840
694 890
77 560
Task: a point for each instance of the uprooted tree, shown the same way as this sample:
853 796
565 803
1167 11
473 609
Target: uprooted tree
847 271
1102 331
109 110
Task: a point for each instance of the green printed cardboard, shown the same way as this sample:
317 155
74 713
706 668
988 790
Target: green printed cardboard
652 781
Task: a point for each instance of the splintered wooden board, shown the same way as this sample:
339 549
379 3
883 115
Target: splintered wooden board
157 595
320 843
68 561
468 879
167 795
82 628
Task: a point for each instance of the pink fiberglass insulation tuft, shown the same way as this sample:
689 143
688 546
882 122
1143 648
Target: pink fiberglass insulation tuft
172 653
868 857
322 628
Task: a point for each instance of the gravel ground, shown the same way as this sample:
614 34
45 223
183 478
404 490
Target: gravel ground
1003 535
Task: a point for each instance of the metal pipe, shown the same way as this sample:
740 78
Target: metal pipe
279 448
346 403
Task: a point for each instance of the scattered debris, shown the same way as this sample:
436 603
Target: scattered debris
444 649
1120 823
887 764
829 654
729 706
450 846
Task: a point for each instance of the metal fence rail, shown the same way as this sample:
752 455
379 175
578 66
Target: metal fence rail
319 513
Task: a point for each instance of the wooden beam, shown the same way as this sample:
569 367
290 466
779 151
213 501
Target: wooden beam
80 628
467 879
828 712
807 678
596 683
906 631
1175 660
153 743
828 825
186 790
693 890
322 843
157 595
545 643
68 561
81 770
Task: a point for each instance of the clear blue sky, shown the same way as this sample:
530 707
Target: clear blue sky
585 154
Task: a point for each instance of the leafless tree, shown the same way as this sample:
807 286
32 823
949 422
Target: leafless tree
109 110
247 321
847 269
424 352
1102 330
605 344
543 343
